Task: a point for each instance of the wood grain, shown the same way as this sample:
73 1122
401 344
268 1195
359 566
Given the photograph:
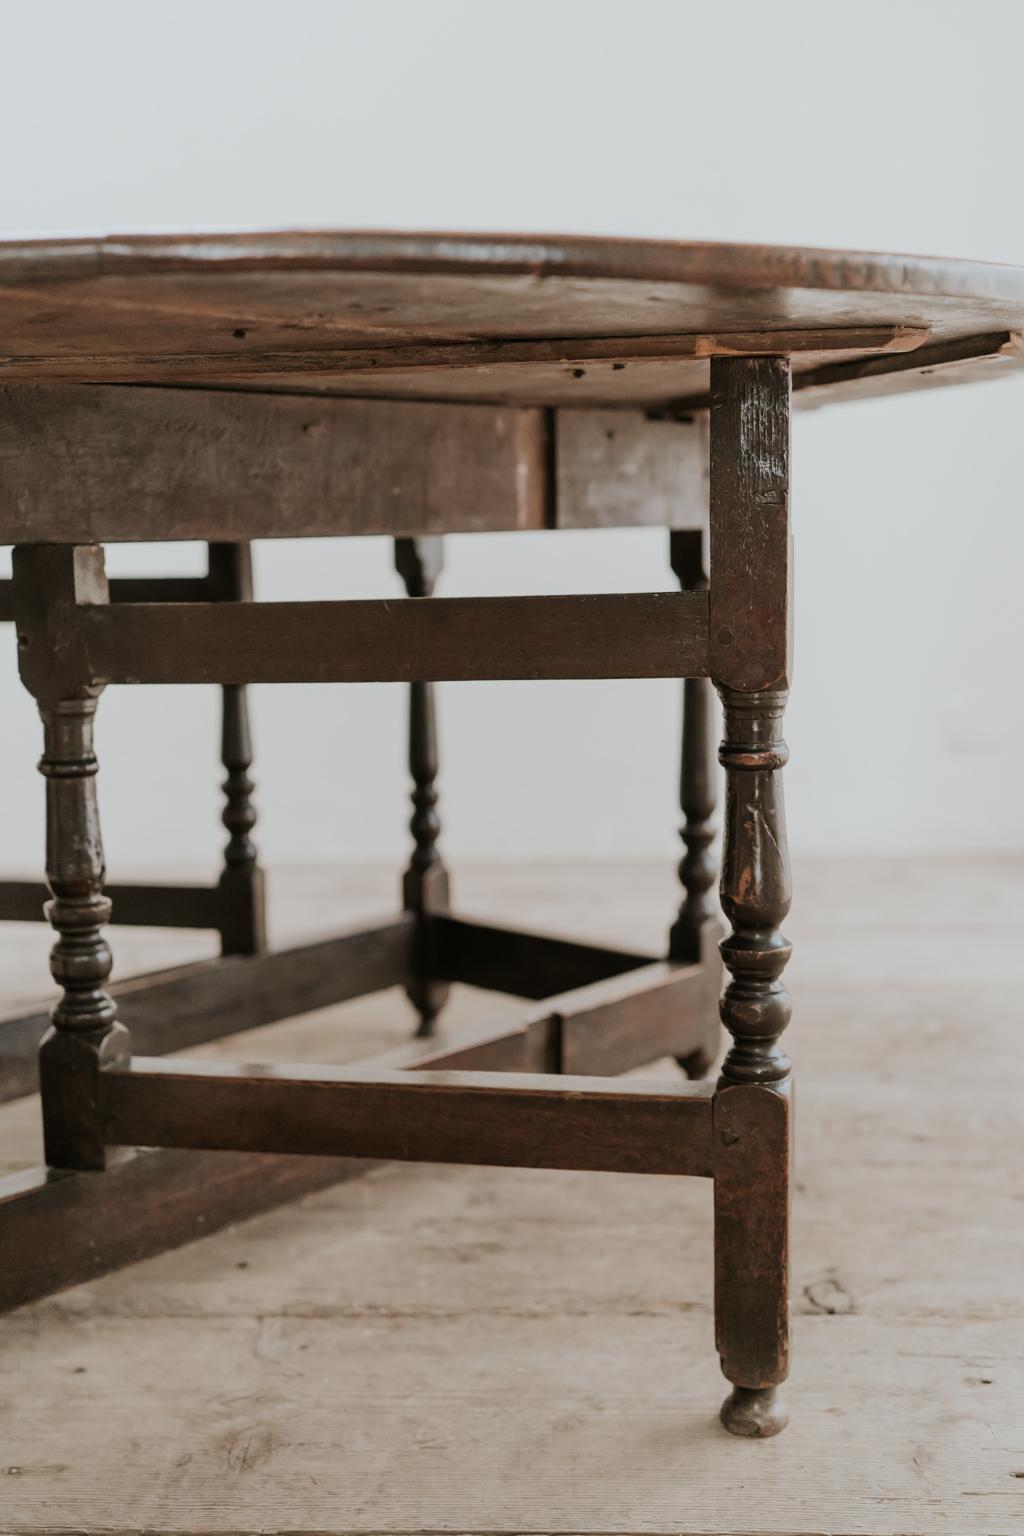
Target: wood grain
526 1121
659 634
750 614
108 464
291 309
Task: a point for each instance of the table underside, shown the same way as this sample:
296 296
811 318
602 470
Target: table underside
529 320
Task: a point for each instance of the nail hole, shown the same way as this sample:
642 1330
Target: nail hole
240 334
578 373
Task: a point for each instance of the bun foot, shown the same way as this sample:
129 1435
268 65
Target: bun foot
756 1412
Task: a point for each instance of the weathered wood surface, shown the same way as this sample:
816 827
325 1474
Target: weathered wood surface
633 634
750 622
618 466
291 309
337 1365
168 464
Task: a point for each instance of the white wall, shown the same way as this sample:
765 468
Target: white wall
887 125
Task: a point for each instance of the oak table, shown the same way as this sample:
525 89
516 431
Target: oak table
245 387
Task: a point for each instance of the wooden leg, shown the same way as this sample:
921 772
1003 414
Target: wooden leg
752 1104
84 1037
425 883
695 932
243 900
243 928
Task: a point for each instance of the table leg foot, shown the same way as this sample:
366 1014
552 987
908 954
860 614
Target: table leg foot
754 1412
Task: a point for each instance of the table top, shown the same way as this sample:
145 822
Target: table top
540 320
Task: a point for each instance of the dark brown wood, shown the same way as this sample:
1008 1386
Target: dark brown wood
535 1121
609 259
749 636
612 371
168 463
752 1175
48 589
697 783
936 364
58 1229
243 915
144 906
290 309
211 999
602 1025
129 589
532 965
657 634
751 1135
487 360
85 1035
695 932
756 886
425 885
176 1009
750 616
243 925
229 577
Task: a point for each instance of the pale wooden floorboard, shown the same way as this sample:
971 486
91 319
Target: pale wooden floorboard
488 1350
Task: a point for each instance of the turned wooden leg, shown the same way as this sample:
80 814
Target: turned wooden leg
749 610
84 1038
425 883
243 899
695 932
243 927
752 1104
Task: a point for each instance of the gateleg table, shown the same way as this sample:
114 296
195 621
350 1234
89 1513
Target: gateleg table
234 388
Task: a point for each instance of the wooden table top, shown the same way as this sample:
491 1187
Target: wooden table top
541 320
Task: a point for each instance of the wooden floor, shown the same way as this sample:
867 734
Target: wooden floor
484 1350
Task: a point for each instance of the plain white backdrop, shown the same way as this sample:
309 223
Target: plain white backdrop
886 125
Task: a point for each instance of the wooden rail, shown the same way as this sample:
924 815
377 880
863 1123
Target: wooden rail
522 1121
658 634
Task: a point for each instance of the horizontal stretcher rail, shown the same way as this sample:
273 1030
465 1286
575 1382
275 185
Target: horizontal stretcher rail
144 905
656 634
177 1009
61 1228
490 1118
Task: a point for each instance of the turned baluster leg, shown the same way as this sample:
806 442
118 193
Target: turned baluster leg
752 1105
243 919
84 1038
425 883
750 645
695 932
